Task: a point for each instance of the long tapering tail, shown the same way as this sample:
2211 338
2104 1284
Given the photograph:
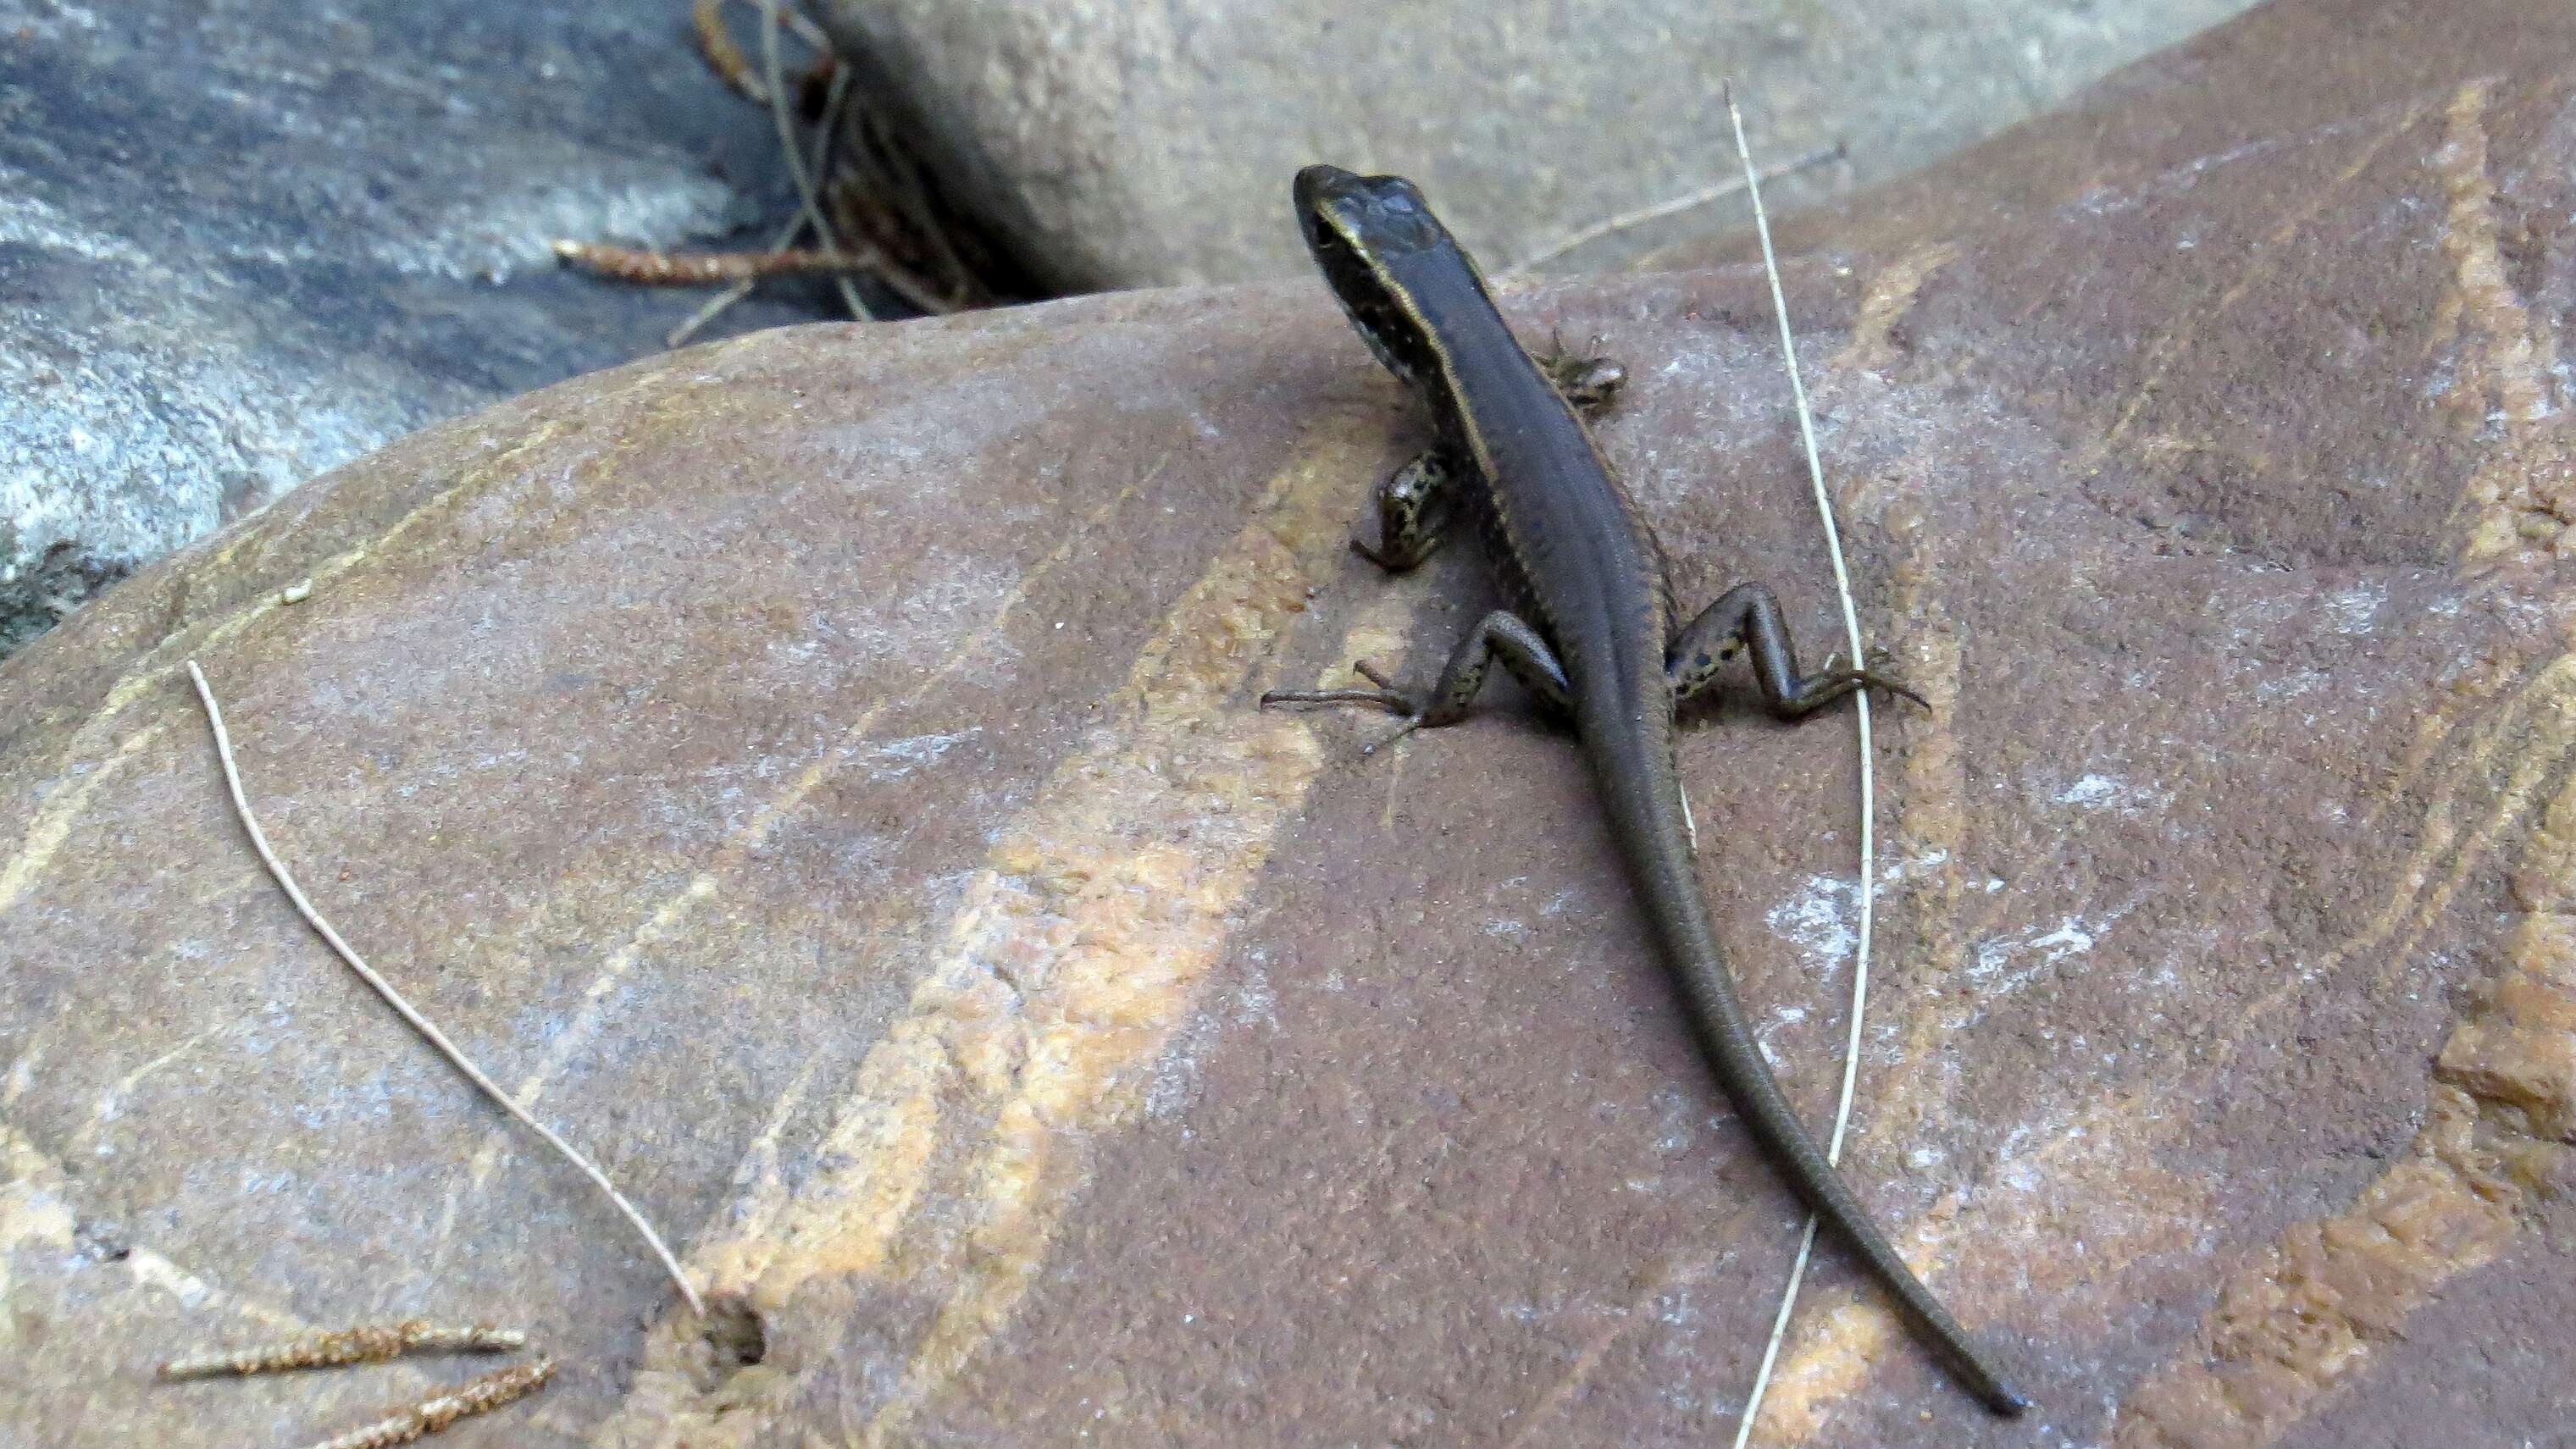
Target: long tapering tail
1652 836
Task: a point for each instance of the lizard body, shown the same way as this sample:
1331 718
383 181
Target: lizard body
1599 640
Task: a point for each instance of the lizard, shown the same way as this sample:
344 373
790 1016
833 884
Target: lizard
1596 639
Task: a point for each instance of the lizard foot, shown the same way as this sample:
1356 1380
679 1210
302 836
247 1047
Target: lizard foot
1385 696
1871 677
1590 383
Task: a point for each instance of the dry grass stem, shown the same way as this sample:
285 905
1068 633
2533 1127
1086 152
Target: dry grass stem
373 1343
430 1415
402 1007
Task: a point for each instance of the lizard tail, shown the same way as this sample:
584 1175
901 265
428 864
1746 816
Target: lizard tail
1659 857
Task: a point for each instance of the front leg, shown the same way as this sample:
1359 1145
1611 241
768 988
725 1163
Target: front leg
1589 384
1499 635
1411 509
1749 614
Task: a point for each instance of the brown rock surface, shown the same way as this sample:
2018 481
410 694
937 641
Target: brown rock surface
821 770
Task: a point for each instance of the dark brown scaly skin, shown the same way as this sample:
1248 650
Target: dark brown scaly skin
1599 643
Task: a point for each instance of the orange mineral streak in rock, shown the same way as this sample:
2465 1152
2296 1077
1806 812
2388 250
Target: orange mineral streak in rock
2306 1316
1058 981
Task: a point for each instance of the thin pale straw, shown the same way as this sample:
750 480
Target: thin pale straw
1868 785
419 1023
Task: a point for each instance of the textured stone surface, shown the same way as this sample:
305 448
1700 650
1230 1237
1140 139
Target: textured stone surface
822 770
1119 145
244 241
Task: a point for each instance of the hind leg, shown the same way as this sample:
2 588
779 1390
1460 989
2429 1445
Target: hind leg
1748 616
1499 636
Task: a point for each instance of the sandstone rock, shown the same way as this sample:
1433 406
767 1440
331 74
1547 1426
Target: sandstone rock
1115 145
241 244
821 770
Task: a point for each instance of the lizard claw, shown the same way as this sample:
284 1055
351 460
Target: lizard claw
1872 673
1870 677
1385 696
1873 679
1369 672
1410 726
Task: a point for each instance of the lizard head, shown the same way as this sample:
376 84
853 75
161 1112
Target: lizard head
1380 215
1361 231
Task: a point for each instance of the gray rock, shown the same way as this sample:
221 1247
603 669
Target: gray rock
1117 145
243 243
